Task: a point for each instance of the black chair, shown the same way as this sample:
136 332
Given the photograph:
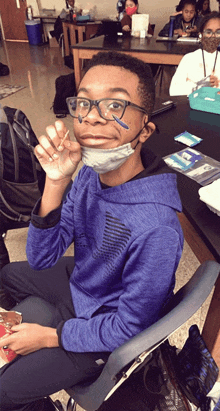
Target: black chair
185 303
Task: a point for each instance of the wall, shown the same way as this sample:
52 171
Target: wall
158 10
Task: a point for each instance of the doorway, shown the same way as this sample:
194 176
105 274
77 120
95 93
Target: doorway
13 18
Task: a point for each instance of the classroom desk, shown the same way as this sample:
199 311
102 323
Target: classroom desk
83 29
147 49
201 226
44 20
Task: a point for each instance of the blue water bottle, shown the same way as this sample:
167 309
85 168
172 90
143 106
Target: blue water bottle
171 28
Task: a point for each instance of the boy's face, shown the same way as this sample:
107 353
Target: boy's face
109 82
188 12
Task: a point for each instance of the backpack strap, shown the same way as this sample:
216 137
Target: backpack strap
18 216
23 132
4 120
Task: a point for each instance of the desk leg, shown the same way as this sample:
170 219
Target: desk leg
81 30
66 41
211 329
72 36
193 239
77 66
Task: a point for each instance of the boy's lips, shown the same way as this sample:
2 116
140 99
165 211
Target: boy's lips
95 138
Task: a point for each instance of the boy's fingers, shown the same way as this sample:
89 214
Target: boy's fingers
72 145
5 340
44 150
60 126
56 133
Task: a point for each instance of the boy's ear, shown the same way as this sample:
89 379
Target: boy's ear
148 130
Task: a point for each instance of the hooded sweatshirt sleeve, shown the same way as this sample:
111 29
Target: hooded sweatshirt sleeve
50 236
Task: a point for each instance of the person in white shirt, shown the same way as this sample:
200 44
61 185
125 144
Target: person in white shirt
201 67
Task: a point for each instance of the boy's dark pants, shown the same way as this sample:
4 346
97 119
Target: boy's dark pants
39 374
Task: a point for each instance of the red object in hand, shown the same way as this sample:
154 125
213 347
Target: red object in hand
7 320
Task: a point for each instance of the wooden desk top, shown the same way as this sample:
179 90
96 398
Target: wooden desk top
128 43
82 23
206 126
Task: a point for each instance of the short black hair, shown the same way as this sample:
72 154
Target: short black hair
135 2
142 70
182 4
208 17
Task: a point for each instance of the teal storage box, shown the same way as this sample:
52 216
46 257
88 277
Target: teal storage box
205 99
81 19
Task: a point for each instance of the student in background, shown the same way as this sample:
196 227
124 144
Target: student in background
131 7
186 23
201 67
203 7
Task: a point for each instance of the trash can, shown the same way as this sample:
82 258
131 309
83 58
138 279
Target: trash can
34 32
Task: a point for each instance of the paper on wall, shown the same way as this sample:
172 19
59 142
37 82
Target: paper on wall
139 22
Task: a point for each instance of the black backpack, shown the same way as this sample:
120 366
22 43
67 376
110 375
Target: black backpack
168 379
21 175
65 87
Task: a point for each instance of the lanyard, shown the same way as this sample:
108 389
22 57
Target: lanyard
203 57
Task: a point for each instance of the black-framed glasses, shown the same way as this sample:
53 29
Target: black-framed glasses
79 107
210 33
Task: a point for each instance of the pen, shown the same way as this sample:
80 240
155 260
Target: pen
64 138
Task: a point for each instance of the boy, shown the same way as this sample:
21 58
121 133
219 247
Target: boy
186 23
121 215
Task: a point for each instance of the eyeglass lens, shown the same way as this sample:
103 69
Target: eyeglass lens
107 107
209 33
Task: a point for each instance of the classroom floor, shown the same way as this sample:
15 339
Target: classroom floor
36 68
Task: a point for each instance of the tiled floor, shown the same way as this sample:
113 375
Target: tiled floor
37 67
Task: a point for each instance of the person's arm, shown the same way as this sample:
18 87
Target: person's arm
59 158
47 238
126 23
165 31
147 280
50 236
181 84
214 81
28 338
178 25
150 30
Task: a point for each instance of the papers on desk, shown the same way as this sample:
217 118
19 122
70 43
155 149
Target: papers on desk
188 39
194 165
174 38
210 195
179 39
188 139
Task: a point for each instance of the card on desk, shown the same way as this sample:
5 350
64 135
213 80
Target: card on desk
194 165
7 320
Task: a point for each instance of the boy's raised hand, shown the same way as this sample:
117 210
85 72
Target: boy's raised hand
58 157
